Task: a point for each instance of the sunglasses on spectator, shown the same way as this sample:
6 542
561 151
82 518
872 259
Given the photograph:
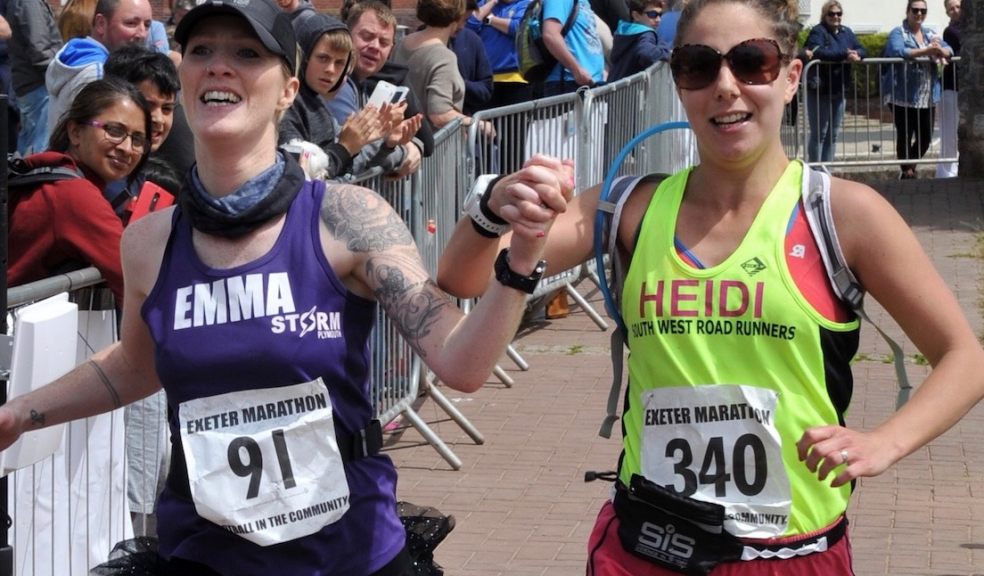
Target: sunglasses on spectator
918 10
756 61
117 134
835 14
654 14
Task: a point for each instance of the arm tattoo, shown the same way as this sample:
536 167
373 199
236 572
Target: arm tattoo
37 418
109 385
367 224
414 307
362 220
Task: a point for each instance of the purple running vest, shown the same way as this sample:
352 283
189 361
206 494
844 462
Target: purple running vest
298 323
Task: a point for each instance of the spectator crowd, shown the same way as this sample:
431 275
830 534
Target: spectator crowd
461 60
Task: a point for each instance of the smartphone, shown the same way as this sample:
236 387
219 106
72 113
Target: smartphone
151 198
386 92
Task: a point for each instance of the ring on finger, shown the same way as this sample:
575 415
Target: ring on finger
843 455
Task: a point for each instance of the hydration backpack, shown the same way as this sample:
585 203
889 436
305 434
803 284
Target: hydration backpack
535 61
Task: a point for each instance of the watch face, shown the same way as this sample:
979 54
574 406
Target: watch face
505 275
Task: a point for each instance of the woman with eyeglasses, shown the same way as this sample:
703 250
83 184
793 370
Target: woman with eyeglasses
913 88
66 223
737 459
636 46
252 303
837 46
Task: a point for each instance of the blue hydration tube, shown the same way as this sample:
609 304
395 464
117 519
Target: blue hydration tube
606 189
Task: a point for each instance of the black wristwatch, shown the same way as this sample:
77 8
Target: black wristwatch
507 277
488 20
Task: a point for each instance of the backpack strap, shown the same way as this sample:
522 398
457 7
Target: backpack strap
816 204
610 212
607 222
22 175
570 19
610 216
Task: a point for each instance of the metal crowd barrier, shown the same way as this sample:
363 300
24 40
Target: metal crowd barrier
590 127
544 126
70 508
426 201
441 179
867 128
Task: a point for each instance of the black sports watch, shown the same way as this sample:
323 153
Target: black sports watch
505 275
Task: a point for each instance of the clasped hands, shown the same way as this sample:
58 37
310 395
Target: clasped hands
531 198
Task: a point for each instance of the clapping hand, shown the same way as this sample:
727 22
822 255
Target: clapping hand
400 130
361 128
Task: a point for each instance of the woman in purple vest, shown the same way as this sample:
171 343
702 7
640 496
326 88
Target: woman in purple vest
251 303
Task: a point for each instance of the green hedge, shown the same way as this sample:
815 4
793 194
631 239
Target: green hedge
873 43
866 78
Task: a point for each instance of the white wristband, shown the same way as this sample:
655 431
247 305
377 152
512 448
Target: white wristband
473 206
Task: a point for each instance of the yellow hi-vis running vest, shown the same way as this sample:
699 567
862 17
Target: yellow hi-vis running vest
729 365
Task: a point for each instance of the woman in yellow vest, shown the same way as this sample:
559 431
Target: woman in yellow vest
735 452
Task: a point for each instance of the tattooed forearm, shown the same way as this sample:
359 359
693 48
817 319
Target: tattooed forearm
37 419
109 385
415 307
362 220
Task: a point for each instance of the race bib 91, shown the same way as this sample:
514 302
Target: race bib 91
264 464
720 444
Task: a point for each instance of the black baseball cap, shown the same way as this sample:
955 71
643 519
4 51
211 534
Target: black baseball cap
271 24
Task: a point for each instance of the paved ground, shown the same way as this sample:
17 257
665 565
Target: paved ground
522 507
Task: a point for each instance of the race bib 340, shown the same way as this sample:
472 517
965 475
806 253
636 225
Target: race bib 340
720 444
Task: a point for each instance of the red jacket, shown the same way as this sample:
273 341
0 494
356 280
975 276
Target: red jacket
62 225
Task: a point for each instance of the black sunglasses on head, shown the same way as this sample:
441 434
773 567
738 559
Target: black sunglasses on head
756 61
918 10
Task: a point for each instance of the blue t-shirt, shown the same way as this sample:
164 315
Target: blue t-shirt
157 38
668 26
501 48
582 40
